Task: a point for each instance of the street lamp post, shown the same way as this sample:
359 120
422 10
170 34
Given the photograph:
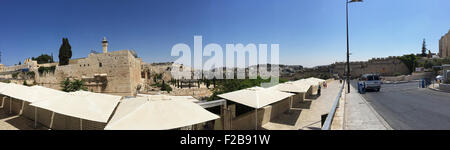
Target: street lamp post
348 45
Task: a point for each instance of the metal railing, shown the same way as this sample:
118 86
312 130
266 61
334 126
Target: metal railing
329 120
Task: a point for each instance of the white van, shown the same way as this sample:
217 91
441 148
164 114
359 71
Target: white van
371 82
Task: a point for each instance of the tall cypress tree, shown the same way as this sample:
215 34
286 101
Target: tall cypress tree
424 48
65 52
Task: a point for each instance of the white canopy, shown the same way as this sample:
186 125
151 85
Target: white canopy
4 86
292 87
143 113
256 97
19 92
316 79
169 97
306 82
94 106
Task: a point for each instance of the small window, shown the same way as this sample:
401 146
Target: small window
100 64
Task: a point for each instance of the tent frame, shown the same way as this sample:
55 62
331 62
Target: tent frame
3 101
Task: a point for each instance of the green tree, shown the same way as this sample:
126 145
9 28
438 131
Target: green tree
65 52
43 58
410 61
424 48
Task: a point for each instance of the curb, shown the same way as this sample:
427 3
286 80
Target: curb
437 90
382 120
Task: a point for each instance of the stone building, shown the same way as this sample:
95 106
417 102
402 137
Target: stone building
444 47
115 72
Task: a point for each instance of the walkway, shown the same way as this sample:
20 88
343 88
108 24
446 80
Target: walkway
359 114
307 115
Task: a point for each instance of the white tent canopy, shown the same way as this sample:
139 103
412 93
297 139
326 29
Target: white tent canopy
306 82
18 92
145 113
316 79
94 106
169 97
4 86
292 87
256 97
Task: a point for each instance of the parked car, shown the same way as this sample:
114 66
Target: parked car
371 82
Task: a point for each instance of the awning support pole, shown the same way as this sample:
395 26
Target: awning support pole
21 109
10 105
51 120
3 102
81 124
292 101
256 119
35 117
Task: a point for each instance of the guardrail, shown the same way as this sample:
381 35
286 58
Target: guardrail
329 120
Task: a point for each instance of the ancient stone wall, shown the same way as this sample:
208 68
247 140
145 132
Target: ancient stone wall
383 66
121 68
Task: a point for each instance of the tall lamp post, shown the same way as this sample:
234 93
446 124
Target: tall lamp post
348 45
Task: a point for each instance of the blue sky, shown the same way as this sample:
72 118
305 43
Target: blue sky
310 32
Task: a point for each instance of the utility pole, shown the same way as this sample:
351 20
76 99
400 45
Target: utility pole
348 45
348 51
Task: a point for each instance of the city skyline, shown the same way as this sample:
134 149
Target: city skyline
310 33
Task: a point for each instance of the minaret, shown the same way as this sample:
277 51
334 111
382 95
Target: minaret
105 45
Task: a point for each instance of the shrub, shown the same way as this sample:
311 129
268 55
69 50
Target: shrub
72 86
14 75
42 70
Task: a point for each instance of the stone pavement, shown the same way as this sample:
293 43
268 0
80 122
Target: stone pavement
14 122
306 115
359 114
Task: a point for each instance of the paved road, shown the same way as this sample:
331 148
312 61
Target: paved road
406 107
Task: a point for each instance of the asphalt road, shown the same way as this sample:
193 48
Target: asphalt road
406 107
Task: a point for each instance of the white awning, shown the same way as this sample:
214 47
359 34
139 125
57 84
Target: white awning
306 82
4 86
144 114
292 87
167 97
256 97
316 79
21 92
94 106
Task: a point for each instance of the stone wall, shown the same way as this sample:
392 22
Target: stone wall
382 66
122 70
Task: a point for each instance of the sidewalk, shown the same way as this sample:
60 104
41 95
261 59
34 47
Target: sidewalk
307 115
359 114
